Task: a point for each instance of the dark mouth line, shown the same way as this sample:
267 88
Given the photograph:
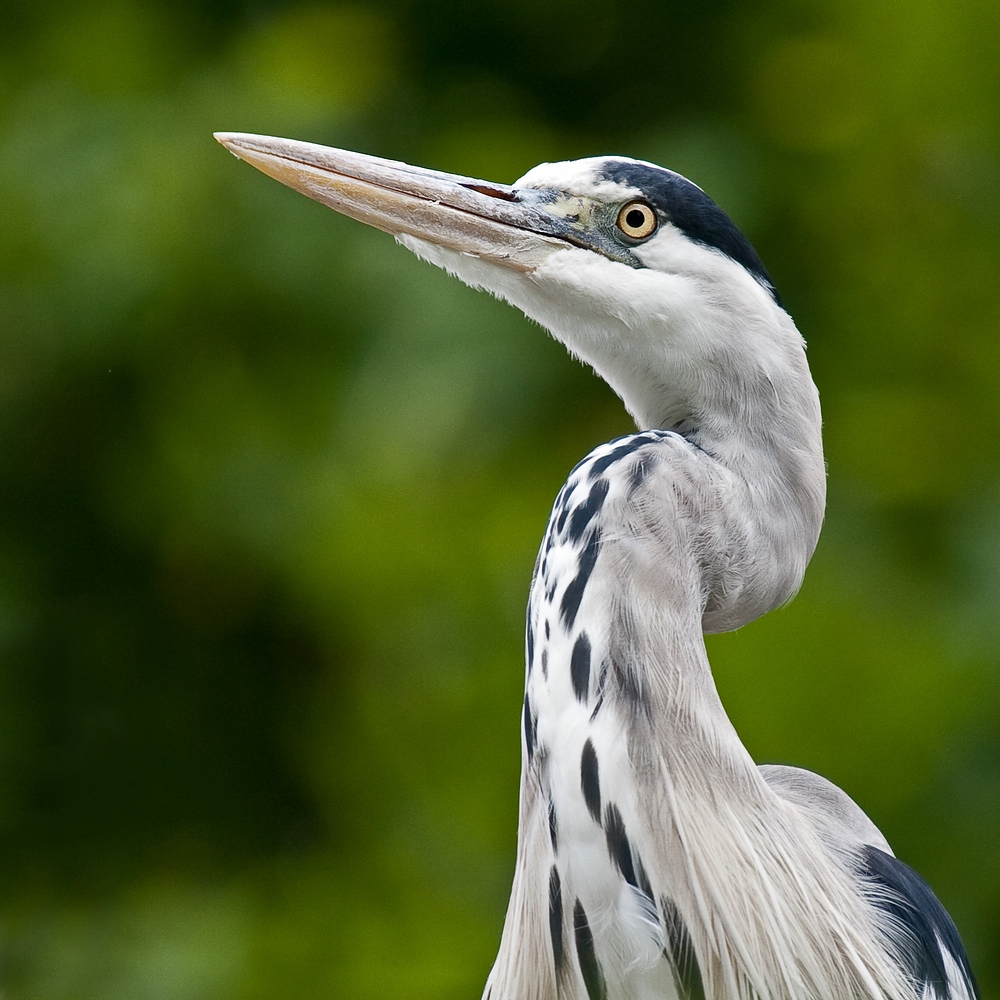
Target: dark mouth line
492 192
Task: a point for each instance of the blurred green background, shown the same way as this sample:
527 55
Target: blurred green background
270 488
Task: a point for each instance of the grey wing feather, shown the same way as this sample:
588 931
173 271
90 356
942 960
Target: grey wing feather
838 819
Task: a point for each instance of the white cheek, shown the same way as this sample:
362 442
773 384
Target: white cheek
669 251
589 287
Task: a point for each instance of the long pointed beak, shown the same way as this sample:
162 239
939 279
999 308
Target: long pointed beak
517 229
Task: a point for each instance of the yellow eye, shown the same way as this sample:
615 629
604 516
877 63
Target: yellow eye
637 220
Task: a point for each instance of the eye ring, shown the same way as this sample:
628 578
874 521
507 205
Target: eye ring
637 220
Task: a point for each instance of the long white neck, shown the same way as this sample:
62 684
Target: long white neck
710 354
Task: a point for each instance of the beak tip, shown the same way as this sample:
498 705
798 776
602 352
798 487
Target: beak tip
233 141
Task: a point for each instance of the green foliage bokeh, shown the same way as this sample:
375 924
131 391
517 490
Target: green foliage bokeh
270 488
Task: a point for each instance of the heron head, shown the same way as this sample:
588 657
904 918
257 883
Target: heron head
634 268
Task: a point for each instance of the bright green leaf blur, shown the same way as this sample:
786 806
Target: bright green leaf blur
270 488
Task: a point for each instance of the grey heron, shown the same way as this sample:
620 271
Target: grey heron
654 858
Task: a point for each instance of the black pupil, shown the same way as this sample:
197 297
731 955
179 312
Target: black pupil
636 218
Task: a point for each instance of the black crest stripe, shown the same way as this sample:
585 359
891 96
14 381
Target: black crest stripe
579 667
590 781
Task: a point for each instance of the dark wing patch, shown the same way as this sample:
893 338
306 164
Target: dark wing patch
687 207
921 927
